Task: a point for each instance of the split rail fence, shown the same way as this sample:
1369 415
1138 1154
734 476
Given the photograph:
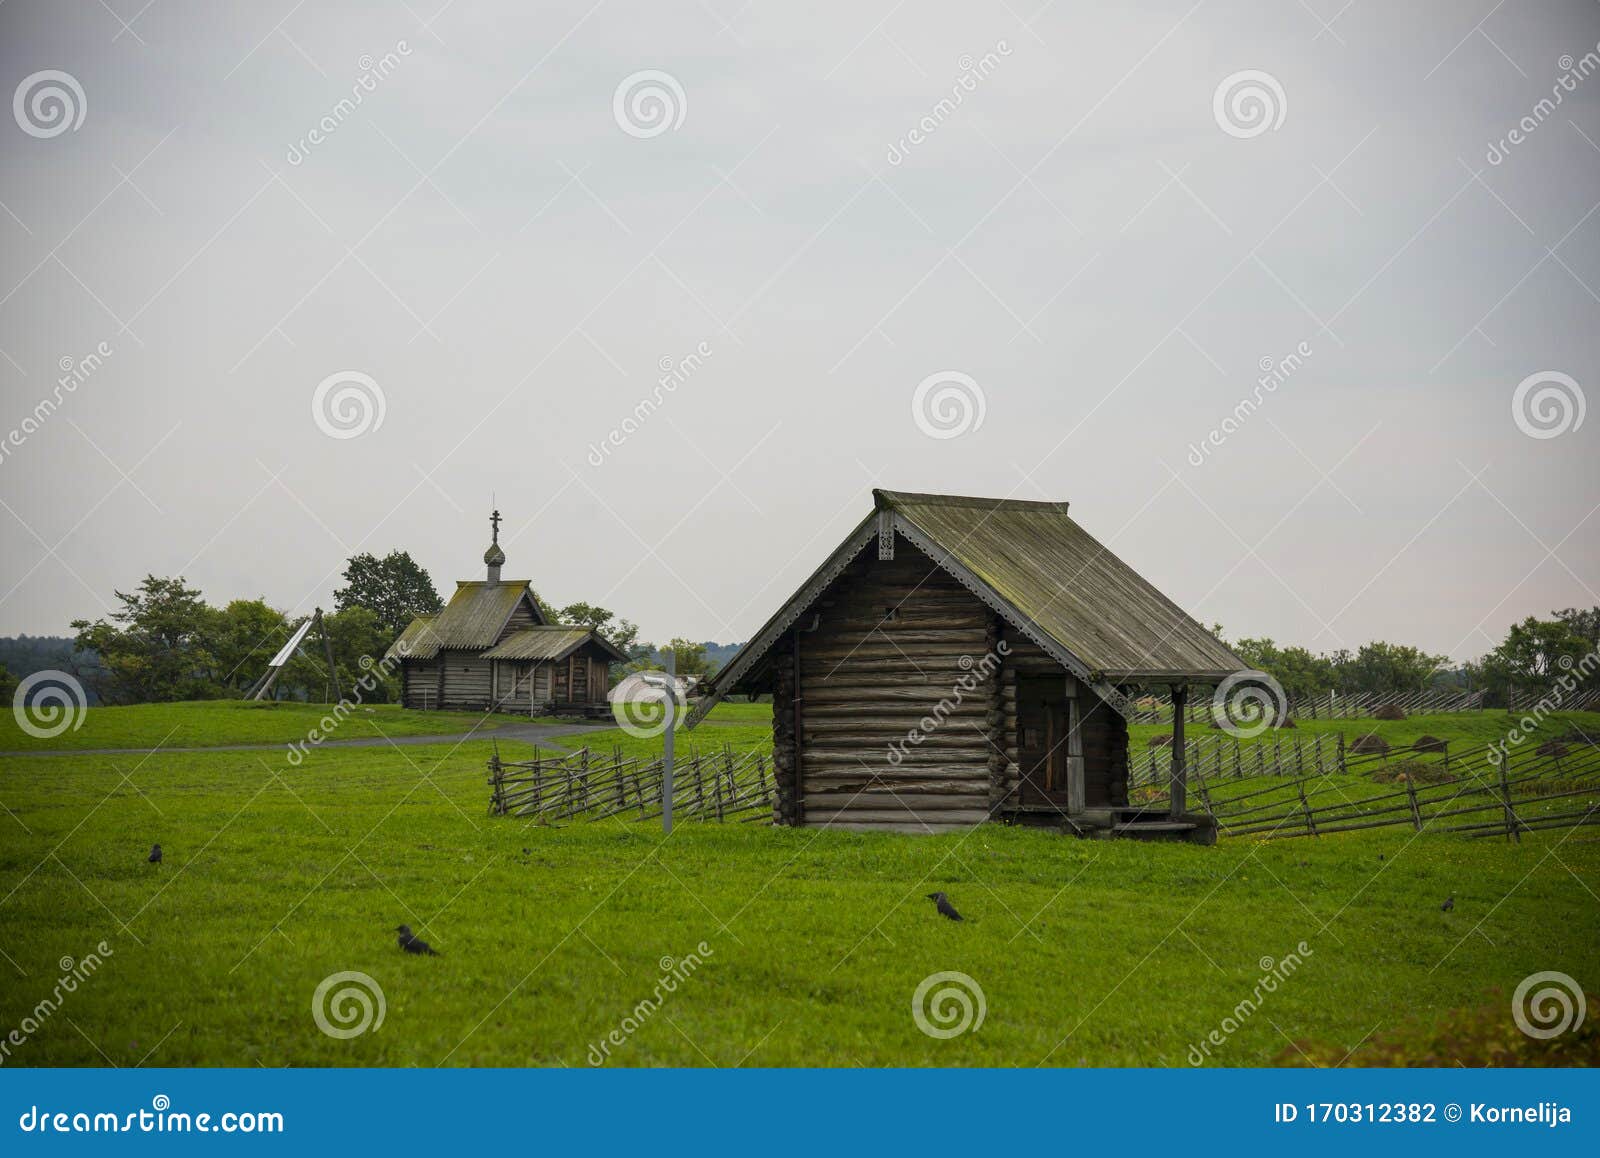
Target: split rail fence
1531 788
1328 706
1300 786
588 785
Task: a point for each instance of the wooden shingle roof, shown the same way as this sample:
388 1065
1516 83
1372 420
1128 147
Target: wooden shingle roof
1039 561
1040 571
473 619
550 643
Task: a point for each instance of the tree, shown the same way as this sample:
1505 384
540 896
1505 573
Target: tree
395 588
1300 673
8 685
242 638
160 651
1534 654
1584 624
624 634
689 657
1391 668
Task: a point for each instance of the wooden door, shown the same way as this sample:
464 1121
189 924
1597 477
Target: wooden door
1043 719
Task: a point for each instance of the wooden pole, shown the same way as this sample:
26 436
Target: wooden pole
327 651
1179 790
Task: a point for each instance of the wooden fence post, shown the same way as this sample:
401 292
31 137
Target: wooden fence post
497 802
1513 825
1305 806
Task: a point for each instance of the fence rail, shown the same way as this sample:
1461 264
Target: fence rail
586 785
1328 706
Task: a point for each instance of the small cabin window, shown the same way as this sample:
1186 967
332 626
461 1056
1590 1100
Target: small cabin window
890 614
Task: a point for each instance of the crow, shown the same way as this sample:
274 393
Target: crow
412 943
942 903
1449 903
155 854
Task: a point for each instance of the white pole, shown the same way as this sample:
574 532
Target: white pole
666 750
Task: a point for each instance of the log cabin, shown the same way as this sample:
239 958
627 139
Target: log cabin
493 647
958 660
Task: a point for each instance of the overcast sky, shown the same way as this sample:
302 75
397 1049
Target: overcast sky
1059 210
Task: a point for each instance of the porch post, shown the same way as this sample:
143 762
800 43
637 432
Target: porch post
1180 771
1077 795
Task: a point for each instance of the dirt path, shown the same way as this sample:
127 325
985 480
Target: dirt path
527 733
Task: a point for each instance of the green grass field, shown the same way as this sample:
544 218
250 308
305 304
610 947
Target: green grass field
1098 953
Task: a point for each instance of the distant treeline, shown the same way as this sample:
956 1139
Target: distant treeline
22 655
164 641
1536 656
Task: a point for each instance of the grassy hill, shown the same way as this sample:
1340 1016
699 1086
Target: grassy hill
212 723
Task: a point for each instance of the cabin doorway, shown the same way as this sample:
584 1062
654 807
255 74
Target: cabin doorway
1044 718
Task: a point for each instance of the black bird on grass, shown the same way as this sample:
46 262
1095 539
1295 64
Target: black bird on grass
942 903
1449 903
412 943
155 854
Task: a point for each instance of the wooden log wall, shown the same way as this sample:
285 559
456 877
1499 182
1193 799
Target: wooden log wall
420 684
466 681
521 617
785 808
894 642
